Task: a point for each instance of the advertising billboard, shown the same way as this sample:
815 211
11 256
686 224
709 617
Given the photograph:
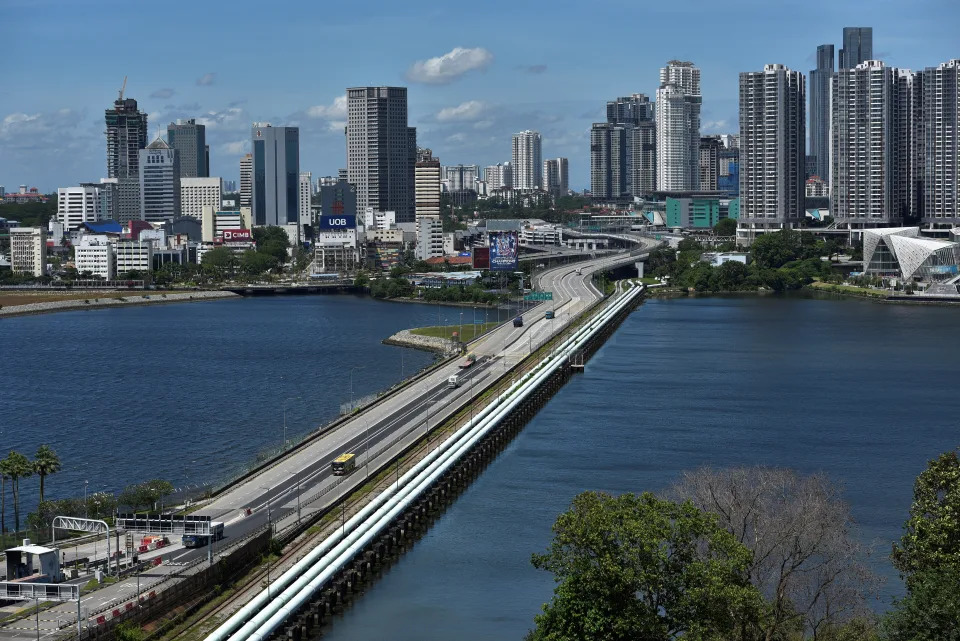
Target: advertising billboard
337 222
504 250
481 258
237 236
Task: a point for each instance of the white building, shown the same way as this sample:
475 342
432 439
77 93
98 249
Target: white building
379 220
870 131
159 182
213 223
499 176
134 255
556 175
940 164
460 177
197 193
78 205
335 247
901 252
427 188
678 127
95 254
772 150
28 250
541 234
527 160
306 189
429 237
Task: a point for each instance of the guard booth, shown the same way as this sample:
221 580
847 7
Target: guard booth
33 563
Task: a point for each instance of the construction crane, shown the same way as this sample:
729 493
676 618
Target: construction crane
122 89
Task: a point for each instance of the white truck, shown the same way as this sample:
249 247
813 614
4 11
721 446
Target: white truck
453 382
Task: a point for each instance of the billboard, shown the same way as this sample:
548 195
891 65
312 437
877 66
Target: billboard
481 258
504 249
341 221
237 236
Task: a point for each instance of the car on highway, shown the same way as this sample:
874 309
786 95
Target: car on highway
518 321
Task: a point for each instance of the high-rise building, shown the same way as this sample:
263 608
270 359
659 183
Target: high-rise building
126 136
275 192
306 189
820 110
607 160
857 46
499 176
195 193
381 150
190 141
429 237
678 127
772 142
939 132
427 185
460 177
78 205
632 141
246 181
159 182
527 160
556 176
710 147
871 159
28 250
110 198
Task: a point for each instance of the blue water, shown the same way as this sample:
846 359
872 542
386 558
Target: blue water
191 392
861 391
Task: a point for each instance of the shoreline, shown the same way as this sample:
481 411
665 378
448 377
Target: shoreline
434 344
420 301
50 307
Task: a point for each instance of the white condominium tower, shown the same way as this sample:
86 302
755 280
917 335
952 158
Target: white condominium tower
940 139
772 149
871 139
678 127
527 161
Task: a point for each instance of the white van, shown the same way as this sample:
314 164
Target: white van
453 382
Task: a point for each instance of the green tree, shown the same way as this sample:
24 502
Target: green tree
931 538
256 263
143 495
725 227
638 567
930 611
4 475
45 463
220 261
18 467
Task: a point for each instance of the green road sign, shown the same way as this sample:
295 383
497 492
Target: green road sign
538 296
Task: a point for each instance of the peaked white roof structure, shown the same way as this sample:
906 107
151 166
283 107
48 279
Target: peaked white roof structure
916 257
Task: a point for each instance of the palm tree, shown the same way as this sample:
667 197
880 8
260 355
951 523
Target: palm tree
45 462
18 467
4 475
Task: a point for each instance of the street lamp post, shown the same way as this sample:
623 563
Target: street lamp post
85 509
292 398
351 384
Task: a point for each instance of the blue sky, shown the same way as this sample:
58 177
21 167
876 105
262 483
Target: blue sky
549 66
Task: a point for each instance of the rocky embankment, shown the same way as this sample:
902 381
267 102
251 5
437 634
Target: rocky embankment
96 300
406 338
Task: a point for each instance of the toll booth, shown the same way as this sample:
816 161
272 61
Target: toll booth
31 563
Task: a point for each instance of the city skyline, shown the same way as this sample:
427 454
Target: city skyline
467 94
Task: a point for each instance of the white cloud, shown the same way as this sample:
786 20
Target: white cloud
166 92
214 119
709 126
336 125
456 138
236 147
337 109
483 124
207 79
55 130
465 111
450 66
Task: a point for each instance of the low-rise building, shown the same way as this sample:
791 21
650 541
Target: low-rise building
134 255
692 213
94 254
900 252
541 234
78 205
718 258
429 237
28 250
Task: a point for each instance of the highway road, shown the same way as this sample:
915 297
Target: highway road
375 435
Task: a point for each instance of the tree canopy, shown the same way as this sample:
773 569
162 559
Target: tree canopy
639 567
